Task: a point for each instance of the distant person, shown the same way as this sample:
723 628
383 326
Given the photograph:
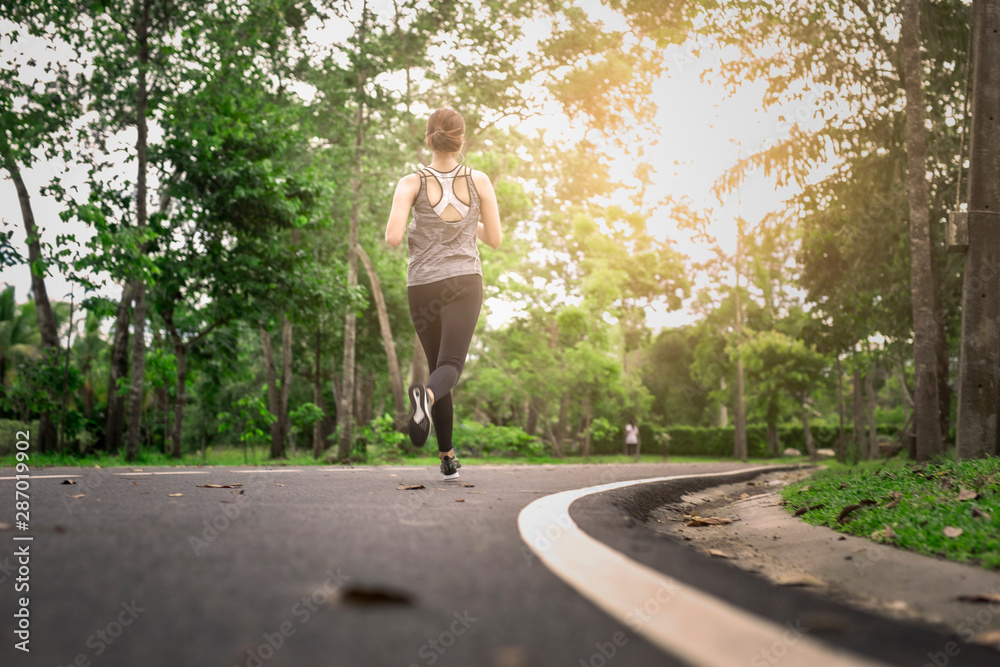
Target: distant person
452 206
631 439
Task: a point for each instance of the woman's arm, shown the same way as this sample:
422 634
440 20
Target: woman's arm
489 229
402 200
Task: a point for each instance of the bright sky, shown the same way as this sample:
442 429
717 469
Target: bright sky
702 131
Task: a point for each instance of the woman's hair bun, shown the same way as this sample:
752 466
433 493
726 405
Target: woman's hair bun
445 131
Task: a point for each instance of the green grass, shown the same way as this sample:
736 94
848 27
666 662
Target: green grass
223 456
929 502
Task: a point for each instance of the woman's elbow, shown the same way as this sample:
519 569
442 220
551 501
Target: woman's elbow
495 244
393 239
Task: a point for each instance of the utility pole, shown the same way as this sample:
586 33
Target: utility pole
979 364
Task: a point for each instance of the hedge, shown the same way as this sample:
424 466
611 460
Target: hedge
718 441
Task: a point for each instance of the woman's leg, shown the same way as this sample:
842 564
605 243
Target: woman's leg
445 315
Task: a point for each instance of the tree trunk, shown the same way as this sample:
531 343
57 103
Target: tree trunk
857 421
345 413
284 425
976 432
928 407
319 443
115 422
531 423
132 436
740 435
177 435
139 316
806 431
273 402
723 408
395 377
560 434
872 430
586 429
841 442
48 436
773 439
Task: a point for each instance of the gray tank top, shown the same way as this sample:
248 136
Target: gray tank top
439 248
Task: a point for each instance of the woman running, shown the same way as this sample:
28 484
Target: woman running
453 206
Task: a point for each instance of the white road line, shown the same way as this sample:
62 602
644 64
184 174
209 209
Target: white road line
289 470
45 476
695 626
165 472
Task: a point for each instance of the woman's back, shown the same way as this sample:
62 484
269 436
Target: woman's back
442 235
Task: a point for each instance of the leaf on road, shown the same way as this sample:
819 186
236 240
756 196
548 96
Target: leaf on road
6 526
279 484
798 579
808 508
219 486
477 492
134 483
951 531
707 521
370 596
467 485
967 494
459 500
989 638
718 554
68 481
980 514
744 496
409 487
79 495
174 495
980 597
805 488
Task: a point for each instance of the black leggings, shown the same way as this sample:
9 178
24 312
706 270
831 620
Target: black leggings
445 314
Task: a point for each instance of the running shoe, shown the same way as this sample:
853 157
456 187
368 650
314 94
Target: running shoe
420 415
449 467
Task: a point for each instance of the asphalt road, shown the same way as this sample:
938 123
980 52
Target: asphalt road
327 566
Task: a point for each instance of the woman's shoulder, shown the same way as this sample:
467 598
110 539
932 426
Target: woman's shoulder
480 178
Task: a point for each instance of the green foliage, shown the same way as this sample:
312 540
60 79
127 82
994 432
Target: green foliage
9 429
304 416
718 441
928 502
471 438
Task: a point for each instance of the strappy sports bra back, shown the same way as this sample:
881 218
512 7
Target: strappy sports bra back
448 197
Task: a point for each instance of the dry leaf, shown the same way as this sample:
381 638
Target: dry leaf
174 495
798 579
896 497
219 486
967 494
980 597
467 485
79 495
134 483
718 554
989 638
844 513
951 531
805 488
744 496
459 500
409 487
708 521
979 514
6 526
279 484
808 508
477 492
136 469
69 481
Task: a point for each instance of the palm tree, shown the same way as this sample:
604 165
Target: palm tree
19 333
